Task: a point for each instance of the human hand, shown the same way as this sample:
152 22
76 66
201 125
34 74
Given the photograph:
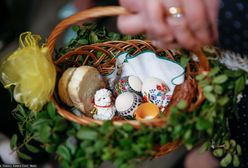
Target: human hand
195 159
195 27
135 22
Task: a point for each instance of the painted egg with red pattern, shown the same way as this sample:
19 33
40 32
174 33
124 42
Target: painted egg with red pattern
128 84
155 90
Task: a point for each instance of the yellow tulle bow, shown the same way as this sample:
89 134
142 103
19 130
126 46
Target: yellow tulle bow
30 70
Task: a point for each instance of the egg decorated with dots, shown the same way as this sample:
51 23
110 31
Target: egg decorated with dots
126 103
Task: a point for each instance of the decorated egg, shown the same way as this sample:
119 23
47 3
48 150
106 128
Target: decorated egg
128 84
154 90
126 103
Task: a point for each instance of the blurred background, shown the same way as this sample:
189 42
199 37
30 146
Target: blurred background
40 17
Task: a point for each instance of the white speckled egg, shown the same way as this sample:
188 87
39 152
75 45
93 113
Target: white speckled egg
154 90
128 84
126 103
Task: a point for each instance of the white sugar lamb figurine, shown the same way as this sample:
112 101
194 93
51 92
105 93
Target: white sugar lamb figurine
105 110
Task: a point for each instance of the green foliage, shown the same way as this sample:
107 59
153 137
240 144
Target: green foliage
229 153
24 156
86 134
184 60
91 34
31 148
87 146
13 141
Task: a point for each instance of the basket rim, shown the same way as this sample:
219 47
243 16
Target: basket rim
84 120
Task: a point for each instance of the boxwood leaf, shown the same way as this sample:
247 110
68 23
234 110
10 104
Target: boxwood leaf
239 150
127 37
187 134
218 89
223 100
71 146
83 41
50 148
208 88
226 160
236 161
182 105
65 164
202 124
210 97
51 110
75 28
21 110
204 147
45 133
40 122
60 124
13 141
214 71
24 156
220 79
93 38
114 36
86 134
32 148
79 162
239 85
64 152
200 77
127 127
184 60
218 152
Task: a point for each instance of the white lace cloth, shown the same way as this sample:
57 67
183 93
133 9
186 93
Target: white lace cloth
148 64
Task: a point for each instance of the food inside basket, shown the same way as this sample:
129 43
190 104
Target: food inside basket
132 70
137 88
78 85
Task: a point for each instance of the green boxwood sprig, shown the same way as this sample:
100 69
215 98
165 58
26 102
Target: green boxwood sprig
88 146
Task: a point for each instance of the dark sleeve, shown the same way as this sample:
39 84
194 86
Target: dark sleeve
233 25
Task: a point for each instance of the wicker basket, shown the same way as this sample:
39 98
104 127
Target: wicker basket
188 91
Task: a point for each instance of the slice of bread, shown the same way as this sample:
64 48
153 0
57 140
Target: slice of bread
63 86
84 83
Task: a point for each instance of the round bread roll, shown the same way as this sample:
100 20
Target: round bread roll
63 86
77 87
84 83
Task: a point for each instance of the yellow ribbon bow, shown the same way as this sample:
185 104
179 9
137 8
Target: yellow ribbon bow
30 70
